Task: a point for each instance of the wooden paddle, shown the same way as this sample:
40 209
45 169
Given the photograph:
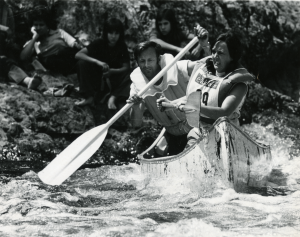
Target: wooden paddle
79 151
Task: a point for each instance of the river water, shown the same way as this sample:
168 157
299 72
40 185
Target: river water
121 201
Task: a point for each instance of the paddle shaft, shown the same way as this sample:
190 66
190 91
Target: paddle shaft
153 81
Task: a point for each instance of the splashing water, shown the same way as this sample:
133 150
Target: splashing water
121 201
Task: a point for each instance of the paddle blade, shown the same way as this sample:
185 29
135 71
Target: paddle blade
75 155
192 109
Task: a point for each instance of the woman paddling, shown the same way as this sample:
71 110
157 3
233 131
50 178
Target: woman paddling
221 78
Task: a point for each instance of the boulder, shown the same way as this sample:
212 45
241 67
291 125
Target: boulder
27 116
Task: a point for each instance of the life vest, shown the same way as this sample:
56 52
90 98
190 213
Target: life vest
173 86
210 87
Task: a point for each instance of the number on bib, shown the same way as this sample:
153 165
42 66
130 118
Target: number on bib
205 98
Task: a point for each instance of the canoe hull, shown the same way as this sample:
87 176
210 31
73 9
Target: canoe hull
226 154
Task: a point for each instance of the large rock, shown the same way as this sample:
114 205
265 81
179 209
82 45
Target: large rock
26 117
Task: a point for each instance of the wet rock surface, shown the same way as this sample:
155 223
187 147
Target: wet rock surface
33 126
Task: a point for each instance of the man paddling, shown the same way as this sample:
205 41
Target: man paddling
172 85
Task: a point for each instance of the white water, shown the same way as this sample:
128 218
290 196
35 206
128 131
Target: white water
120 201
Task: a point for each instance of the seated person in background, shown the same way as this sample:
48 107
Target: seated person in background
123 89
55 48
131 42
103 64
168 34
221 78
7 26
8 64
17 75
84 39
172 85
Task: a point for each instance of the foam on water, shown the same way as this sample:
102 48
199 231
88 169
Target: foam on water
279 147
191 227
282 161
121 201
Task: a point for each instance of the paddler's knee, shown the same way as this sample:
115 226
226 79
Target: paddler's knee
193 135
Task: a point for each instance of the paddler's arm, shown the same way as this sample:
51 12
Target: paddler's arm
136 114
228 106
177 102
137 110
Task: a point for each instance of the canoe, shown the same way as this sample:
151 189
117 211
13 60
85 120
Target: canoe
227 155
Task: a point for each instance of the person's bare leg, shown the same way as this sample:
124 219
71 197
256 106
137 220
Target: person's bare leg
87 101
111 102
32 82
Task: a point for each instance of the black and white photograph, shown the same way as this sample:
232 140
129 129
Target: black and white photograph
149 118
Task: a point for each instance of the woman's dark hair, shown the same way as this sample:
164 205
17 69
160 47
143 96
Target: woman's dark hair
174 36
234 45
42 13
210 66
141 47
113 25
235 49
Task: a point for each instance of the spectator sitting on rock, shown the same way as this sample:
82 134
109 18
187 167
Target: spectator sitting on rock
54 48
7 26
121 93
131 42
83 38
8 66
172 39
103 64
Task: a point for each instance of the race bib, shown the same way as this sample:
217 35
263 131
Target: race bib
207 81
